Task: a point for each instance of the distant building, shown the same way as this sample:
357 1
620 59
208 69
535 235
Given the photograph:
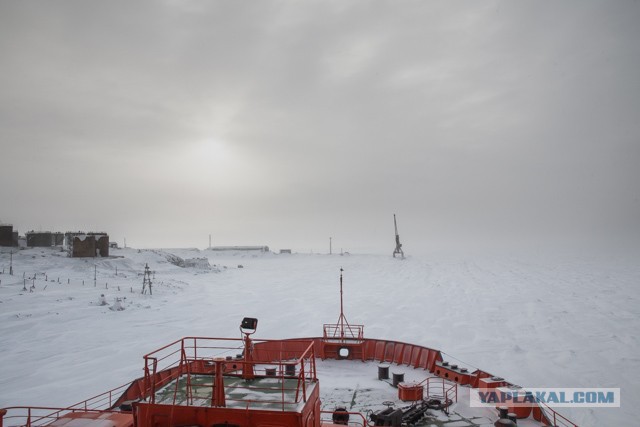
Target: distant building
240 248
57 239
6 235
102 243
285 251
39 239
44 239
83 246
88 245
68 237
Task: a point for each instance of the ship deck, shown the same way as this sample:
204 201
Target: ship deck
355 385
266 393
351 384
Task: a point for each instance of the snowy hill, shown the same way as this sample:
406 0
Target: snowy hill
538 321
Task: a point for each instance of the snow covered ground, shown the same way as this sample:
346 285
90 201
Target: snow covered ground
539 321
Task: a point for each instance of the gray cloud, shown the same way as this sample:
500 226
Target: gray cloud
287 122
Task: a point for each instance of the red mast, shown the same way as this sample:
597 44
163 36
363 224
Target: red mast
342 320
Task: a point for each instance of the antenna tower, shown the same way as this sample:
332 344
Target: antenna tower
146 281
398 249
342 320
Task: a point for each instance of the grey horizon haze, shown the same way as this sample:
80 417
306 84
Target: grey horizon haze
284 123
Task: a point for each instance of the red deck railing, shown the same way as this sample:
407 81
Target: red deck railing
343 332
436 387
356 419
554 417
103 401
38 416
192 356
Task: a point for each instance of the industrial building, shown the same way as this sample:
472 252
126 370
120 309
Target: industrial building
39 239
240 248
6 235
57 239
44 239
102 243
69 235
91 244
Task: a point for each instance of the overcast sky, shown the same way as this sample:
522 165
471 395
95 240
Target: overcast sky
283 123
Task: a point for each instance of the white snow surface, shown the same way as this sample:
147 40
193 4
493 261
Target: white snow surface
537 320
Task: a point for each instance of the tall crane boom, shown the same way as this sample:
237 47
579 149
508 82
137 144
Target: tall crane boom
398 249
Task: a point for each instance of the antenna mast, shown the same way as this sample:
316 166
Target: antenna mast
398 249
342 320
146 281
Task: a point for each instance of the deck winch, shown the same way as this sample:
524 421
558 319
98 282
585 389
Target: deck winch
406 416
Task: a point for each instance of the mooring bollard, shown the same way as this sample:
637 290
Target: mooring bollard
398 377
383 372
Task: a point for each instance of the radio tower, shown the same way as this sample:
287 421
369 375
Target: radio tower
398 249
146 281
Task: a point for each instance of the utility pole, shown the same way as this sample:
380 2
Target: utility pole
11 263
209 241
125 243
95 274
330 251
398 249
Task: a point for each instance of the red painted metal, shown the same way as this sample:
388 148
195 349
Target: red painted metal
298 401
360 420
491 382
440 388
156 415
193 352
294 411
35 416
476 376
408 392
247 366
218 395
553 418
452 373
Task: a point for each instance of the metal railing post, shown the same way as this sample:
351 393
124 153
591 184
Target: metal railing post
304 383
146 384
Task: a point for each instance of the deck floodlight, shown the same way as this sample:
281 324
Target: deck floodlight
249 325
